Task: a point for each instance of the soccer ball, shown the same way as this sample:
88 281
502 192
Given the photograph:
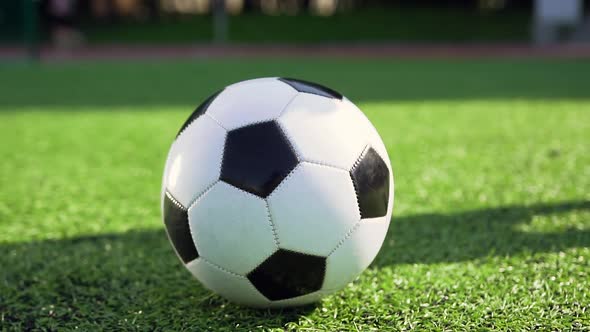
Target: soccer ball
277 192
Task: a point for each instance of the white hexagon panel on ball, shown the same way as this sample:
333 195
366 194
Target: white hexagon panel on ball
324 211
231 228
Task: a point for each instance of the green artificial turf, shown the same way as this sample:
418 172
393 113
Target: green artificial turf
491 226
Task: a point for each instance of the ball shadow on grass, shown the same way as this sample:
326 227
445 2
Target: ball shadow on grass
134 280
129 280
438 238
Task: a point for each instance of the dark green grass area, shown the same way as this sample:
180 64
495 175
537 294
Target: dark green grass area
141 85
369 25
491 228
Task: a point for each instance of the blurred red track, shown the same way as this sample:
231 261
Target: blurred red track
386 51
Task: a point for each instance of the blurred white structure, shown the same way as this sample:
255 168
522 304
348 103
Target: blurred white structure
552 17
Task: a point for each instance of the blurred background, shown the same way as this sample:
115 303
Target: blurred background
70 24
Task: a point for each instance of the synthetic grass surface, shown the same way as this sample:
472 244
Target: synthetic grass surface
491 226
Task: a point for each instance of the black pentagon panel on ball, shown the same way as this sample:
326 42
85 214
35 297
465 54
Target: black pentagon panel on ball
177 227
257 158
201 109
370 177
313 88
288 274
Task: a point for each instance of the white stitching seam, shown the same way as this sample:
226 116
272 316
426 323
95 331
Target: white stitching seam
219 167
275 235
288 104
221 268
348 235
272 225
288 139
322 164
274 118
357 225
216 121
174 201
204 113
243 192
211 185
177 203
190 229
202 194
360 158
283 181
356 191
